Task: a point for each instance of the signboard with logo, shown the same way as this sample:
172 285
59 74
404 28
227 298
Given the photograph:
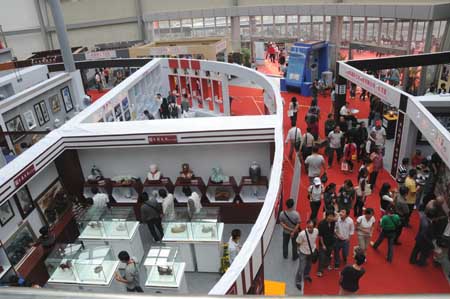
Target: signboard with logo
174 50
24 176
163 139
101 55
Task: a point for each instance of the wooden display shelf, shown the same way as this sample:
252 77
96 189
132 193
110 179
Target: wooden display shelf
250 192
196 184
135 186
230 185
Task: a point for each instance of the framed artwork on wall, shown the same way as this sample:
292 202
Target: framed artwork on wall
125 104
53 202
6 213
20 243
29 120
117 111
127 115
109 117
24 202
67 99
40 117
55 104
44 111
15 124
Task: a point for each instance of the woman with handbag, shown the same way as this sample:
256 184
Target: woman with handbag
308 254
350 154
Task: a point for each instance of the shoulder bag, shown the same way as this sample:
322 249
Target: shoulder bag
289 219
315 253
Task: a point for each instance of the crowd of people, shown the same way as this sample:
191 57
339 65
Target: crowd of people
359 150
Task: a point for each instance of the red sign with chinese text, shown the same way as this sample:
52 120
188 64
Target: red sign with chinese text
25 176
163 139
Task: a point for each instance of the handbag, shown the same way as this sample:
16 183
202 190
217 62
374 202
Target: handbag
344 166
314 253
324 178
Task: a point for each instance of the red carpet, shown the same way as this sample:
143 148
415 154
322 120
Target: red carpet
270 68
95 94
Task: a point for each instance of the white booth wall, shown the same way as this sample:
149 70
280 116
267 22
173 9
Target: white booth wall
234 159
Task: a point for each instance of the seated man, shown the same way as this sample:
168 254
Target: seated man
347 113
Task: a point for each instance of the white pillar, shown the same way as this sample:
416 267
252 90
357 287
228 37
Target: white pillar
225 95
235 34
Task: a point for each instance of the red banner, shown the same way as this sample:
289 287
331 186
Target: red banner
163 139
25 176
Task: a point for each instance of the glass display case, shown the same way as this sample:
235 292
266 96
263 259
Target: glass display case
196 184
20 243
222 192
152 187
162 268
253 192
75 264
101 185
126 189
5 264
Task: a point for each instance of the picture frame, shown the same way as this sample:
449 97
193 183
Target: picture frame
6 213
127 115
125 104
40 117
67 99
44 111
55 103
15 124
117 111
51 205
29 120
109 117
19 243
24 202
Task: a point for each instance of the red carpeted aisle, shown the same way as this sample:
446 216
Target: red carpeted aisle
270 68
95 94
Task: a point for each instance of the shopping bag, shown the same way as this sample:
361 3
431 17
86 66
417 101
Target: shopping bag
344 166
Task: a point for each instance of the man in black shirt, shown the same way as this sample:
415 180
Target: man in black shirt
424 241
327 240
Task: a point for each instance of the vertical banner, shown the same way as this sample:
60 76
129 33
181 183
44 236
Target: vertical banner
397 143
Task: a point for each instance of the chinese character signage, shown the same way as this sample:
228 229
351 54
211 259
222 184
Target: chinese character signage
24 176
163 139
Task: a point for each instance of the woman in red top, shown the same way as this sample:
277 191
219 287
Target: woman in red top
350 153
271 51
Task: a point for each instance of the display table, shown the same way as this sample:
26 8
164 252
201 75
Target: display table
390 124
120 235
199 244
214 189
253 192
126 193
196 184
164 183
163 271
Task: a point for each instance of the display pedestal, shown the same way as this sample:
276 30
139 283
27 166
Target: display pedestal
196 184
133 245
154 280
253 192
230 187
164 183
91 287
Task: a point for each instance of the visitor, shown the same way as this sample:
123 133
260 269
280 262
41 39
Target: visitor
410 183
402 171
184 103
380 135
361 193
345 228
313 125
148 115
327 241
47 240
271 50
350 276
386 197
168 204
98 80
314 164
234 247
194 205
313 110
346 196
377 166
131 276
151 212
352 91
164 111
315 89
315 195
424 242
416 159
364 229
363 94
343 124
335 145
329 198
347 113
389 225
100 200
442 89
173 110
307 144
293 110
106 75
330 124
306 241
290 221
171 97
294 137
361 139
402 210
350 154
370 144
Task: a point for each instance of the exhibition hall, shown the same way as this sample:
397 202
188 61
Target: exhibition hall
224 148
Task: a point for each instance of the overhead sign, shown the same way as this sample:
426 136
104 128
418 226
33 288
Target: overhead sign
163 139
221 46
384 91
24 176
174 50
101 55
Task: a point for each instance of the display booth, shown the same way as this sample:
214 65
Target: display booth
232 163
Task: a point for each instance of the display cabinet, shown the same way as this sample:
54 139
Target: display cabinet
164 183
196 184
222 192
162 267
116 226
126 190
75 264
103 186
20 244
5 264
250 191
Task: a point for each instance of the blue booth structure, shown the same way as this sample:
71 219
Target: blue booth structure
307 61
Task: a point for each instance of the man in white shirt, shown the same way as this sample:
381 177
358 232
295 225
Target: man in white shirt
305 250
294 136
100 200
344 229
315 163
335 145
380 134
